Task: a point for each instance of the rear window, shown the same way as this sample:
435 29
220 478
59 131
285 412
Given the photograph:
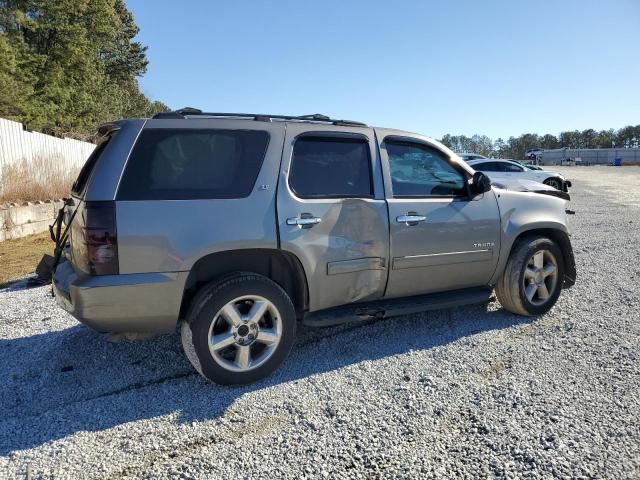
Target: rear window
511 167
80 184
181 164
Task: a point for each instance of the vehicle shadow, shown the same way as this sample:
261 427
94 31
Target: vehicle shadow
62 382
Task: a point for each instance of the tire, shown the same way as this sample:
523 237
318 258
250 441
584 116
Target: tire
554 182
239 329
525 287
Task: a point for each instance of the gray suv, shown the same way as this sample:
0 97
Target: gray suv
237 226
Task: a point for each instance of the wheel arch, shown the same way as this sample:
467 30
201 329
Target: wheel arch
560 236
284 268
553 177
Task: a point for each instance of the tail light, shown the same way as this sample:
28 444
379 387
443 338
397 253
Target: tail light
94 242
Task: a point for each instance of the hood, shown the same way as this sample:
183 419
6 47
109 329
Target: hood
523 185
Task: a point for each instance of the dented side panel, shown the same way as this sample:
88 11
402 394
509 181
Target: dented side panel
522 212
345 255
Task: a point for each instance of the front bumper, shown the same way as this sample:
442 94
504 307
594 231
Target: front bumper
569 266
139 302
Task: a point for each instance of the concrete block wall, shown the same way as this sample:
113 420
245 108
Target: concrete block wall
18 221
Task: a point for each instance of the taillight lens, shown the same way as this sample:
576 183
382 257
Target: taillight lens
96 251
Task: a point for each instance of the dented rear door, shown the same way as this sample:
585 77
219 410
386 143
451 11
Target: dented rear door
332 213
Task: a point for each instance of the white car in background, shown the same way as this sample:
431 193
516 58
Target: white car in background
507 171
534 153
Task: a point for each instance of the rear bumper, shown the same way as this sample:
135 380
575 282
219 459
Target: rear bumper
140 302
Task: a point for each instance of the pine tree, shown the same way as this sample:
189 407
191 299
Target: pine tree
70 65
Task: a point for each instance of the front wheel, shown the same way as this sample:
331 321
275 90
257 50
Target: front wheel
239 329
532 280
554 182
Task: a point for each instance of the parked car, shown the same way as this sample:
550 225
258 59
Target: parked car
534 153
471 156
504 169
234 227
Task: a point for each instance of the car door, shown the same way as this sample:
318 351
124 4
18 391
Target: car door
332 213
442 238
494 170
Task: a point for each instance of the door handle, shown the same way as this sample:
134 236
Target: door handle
411 218
303 222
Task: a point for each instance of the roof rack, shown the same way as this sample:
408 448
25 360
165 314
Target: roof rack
316 117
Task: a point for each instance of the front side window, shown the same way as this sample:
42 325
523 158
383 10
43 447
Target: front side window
181 164
331 167
418 170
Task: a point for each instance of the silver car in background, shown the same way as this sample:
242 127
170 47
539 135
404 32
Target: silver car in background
505 170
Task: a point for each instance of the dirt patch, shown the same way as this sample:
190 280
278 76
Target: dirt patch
617 184
19 257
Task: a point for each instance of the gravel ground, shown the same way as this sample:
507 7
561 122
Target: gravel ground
469 392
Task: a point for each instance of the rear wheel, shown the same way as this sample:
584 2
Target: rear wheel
240 329
532 279
554 182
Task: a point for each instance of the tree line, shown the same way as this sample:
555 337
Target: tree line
516 147
69 65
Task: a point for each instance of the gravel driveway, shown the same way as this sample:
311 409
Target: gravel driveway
466 392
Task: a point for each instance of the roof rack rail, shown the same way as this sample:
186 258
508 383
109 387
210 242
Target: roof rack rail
316 117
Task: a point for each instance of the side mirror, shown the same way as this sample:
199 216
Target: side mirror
480 183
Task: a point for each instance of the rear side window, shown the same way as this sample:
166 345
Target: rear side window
487 167
331 167
511 167
80 184
181 164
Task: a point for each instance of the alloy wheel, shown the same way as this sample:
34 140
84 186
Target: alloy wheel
540 277
554 183
245 333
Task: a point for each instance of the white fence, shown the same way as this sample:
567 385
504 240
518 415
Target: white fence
17 144
592 156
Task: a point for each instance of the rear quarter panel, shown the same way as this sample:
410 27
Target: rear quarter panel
171 235
103 183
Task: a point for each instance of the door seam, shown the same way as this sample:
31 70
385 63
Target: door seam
386 203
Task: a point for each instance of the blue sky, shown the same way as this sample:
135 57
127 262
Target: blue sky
494 67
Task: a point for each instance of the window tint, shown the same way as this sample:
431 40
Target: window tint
487 167
178 164
479 167
511 167
331 167
418 170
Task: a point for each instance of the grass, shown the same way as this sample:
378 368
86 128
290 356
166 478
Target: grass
20 257
40 178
